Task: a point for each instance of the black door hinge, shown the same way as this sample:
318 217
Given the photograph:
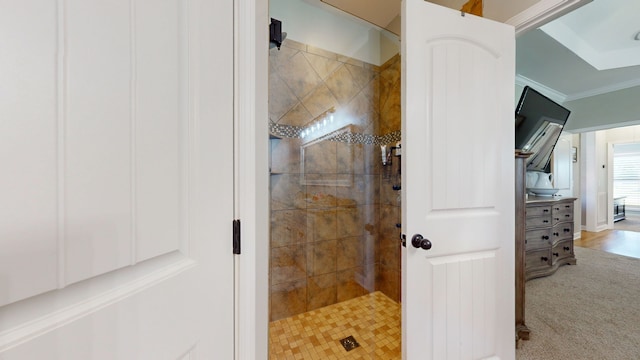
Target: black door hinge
236 236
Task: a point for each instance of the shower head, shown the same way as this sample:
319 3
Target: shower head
276 36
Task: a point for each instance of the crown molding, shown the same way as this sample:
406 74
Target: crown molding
551 93
541 13
603 90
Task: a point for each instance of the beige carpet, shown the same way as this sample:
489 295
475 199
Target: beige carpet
587 311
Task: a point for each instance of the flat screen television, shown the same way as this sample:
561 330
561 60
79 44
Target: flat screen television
538 124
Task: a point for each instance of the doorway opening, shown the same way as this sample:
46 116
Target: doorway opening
335 174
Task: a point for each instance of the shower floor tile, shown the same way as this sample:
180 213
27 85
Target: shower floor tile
373 320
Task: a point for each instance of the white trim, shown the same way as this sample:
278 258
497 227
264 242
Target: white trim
541 13
604 89
577 235
605 127
61 119
553 94
251 183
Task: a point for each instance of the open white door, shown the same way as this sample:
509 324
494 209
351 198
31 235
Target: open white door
458 191
116 124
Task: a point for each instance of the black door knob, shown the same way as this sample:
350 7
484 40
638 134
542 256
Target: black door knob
420 242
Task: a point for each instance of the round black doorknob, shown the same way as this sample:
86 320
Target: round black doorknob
420 242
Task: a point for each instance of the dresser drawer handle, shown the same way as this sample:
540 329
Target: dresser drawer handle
545 237
545 210
544 258
567 230
566 248
567 206
545 221
567 215
556 254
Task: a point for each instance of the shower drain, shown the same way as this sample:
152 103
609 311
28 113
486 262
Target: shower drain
349 343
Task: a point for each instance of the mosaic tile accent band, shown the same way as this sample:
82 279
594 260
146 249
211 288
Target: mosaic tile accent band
295 132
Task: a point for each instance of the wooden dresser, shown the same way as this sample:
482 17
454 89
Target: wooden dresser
543 238
549 235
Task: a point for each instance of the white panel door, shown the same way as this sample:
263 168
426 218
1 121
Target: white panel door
116 120
458 191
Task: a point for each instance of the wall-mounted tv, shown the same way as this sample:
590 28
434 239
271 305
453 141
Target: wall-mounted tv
539 122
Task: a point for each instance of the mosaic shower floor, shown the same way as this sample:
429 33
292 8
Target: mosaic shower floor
373 320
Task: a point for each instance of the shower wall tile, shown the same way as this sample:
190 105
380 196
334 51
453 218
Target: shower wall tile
361 75
321 196
389 233
320 158
288 263
320 100
372 92
321 291
350 221
342 85
390 255
350 283
350 253
349 158
298 74
323 66
362 113
322 257
281 104
351 61
297 116
322 52
364 190
288 299
390 111
321 224
294 45
390 96
285 155
287 192
370 249
288 227
388 281
278 57
372 159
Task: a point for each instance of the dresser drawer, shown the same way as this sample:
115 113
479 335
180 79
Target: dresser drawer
562 216
562 250
537 259
564 207
538 210
561 231
538 221
537 239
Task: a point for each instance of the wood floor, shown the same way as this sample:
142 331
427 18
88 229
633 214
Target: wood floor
613 241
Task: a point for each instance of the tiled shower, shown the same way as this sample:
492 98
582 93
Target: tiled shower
335 208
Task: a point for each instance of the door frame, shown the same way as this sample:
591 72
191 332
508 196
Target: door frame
251 68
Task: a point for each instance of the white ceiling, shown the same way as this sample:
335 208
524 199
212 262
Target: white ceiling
587 52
